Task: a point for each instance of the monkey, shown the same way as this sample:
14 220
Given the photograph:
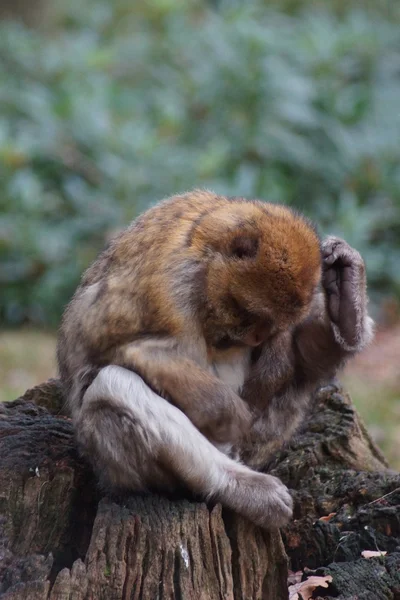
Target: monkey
190 349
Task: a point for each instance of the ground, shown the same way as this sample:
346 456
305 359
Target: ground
373 379
27 357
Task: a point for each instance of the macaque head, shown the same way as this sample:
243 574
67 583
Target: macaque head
263 267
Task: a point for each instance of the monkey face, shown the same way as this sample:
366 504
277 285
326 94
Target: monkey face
243 336
234 325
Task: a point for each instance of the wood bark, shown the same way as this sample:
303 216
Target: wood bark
62 539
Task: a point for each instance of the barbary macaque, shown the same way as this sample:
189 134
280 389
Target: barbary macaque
191 348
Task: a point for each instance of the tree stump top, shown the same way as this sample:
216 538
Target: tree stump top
60 538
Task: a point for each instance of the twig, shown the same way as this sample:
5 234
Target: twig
385 496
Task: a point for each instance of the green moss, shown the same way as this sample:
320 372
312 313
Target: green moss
298 107
107 571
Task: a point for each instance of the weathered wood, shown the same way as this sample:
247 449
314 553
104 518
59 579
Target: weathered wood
58 543
334 467
364 579
61 540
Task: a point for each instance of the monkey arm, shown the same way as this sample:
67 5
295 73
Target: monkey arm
212 406
284 376
339 325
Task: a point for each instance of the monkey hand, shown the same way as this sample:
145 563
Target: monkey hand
223 423
212 406
344 281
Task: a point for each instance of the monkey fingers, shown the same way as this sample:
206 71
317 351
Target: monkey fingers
345 283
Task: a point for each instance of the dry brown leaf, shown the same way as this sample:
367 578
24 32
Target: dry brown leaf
372 553
327 517
305 589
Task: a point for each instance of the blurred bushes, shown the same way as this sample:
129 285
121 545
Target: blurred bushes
121 105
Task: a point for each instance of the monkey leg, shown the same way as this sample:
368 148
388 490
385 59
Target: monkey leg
137 440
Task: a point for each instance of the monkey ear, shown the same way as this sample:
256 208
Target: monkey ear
244 247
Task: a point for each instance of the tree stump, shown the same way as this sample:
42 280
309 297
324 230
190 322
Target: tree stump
61 539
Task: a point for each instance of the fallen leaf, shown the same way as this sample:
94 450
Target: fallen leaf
305 589
372 553
294 577
327 517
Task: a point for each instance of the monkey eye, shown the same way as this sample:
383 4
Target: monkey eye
244 247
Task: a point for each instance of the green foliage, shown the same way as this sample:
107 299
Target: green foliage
123 105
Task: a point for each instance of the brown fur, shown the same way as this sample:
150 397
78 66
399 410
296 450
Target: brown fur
190 283
197 291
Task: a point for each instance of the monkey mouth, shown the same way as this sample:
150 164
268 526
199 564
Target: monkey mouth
227 342
251 339
258 336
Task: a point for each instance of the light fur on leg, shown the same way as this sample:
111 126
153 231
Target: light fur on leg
136 439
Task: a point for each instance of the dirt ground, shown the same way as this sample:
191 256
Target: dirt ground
373 379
